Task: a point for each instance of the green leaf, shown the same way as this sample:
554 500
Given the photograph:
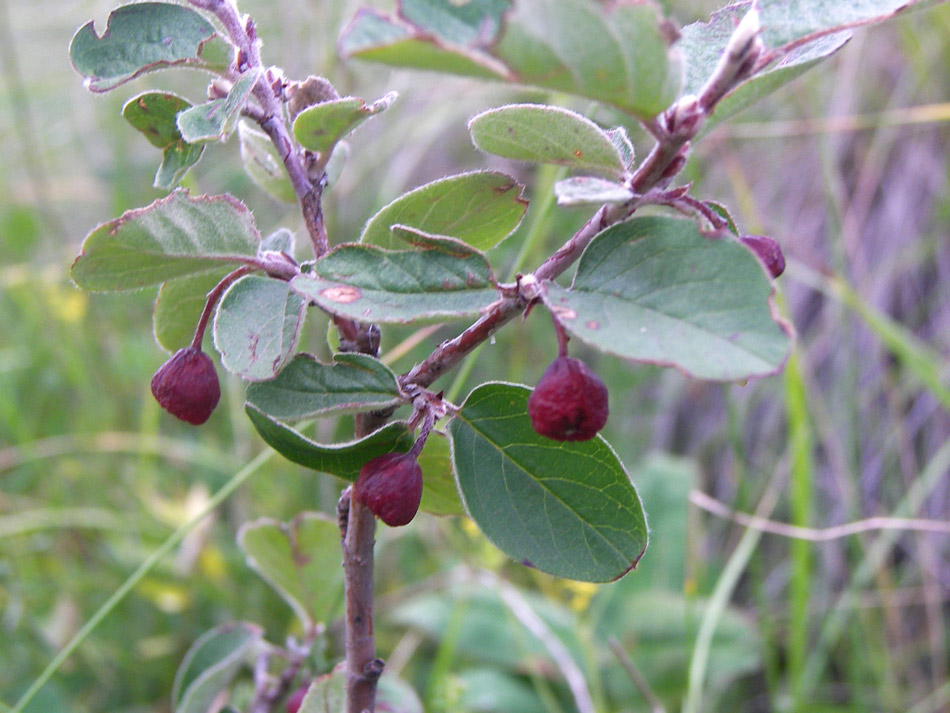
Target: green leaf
327 693
439 494
217 119
443 280
586 190
376 37
175 236
305 388
343 460
481 209
546 134
141 38
568 508
211 664
618 54
319 127
658 290
153 113
179 306
621 141
789 21
262 163
281 241
702 44
300 560
257 325
396 696
459 23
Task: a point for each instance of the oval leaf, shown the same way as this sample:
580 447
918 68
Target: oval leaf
305 388
546 134
216 120
481 209
257 325
658 290
565 508
211 664
300 560
585 190
443 280
175 236
327 693
618 53
319 127
139 38
343 460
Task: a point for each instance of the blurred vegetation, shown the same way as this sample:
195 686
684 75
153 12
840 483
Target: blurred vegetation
94 477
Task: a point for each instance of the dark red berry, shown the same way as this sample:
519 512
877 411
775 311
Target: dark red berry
296 698
187 386
569 403
768 251
391 487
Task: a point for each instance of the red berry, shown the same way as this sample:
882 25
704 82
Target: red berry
391 487
768 251
569 403
296 698
187 386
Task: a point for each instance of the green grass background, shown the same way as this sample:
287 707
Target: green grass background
94 477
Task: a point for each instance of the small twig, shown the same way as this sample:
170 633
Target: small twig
636 676
211 302
826 534
243 35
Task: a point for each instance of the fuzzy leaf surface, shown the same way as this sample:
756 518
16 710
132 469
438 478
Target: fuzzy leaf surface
300 559
262 163
175 236
217 119
587 190
319 127
443 280
703 43
546 134
343 460
619 55
306 388
211 664
803 32
658 290
568 508
179 306
481 208
153 113
140 38
257 325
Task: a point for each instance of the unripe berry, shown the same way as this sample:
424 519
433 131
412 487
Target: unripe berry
296 698
768 251
391 487
569 403
187 386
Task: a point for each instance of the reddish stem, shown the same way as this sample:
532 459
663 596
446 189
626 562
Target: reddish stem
212 300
